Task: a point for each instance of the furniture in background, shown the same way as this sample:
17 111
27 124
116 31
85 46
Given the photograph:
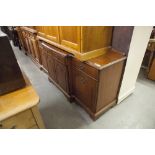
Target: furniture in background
151 65
28 40
149 58
81 62
10 74
84 42
19 109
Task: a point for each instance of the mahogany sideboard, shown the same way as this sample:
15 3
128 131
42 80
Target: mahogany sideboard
92 80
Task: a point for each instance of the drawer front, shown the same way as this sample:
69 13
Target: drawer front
23 120
93 72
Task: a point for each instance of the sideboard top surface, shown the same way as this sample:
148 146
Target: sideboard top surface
107 59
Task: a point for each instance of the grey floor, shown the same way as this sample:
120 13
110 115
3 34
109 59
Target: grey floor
137 111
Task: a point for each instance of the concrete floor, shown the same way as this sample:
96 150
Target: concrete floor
137 111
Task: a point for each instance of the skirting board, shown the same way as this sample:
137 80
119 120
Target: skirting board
125 95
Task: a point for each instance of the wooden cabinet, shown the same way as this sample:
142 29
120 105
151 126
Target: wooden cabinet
96 82
81 63
28 35
84 42
79 38
56 63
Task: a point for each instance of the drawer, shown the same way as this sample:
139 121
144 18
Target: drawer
23 120
93 72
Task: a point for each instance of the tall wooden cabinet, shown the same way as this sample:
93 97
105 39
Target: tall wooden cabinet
84 42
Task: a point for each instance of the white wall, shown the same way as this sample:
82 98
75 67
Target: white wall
138 45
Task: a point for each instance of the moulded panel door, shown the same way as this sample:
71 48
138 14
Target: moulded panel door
51 66
44 57
31 47
84 88
61 75
52 33
41 30
36 50
70 36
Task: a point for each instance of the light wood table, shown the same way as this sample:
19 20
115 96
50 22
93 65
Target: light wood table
19 109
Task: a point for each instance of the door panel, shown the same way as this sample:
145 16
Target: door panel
44 57
51 66
84 88
31 47
36 50
70 36
52 33
61 75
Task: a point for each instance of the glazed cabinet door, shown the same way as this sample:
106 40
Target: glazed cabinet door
70 36
84 88
61 75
